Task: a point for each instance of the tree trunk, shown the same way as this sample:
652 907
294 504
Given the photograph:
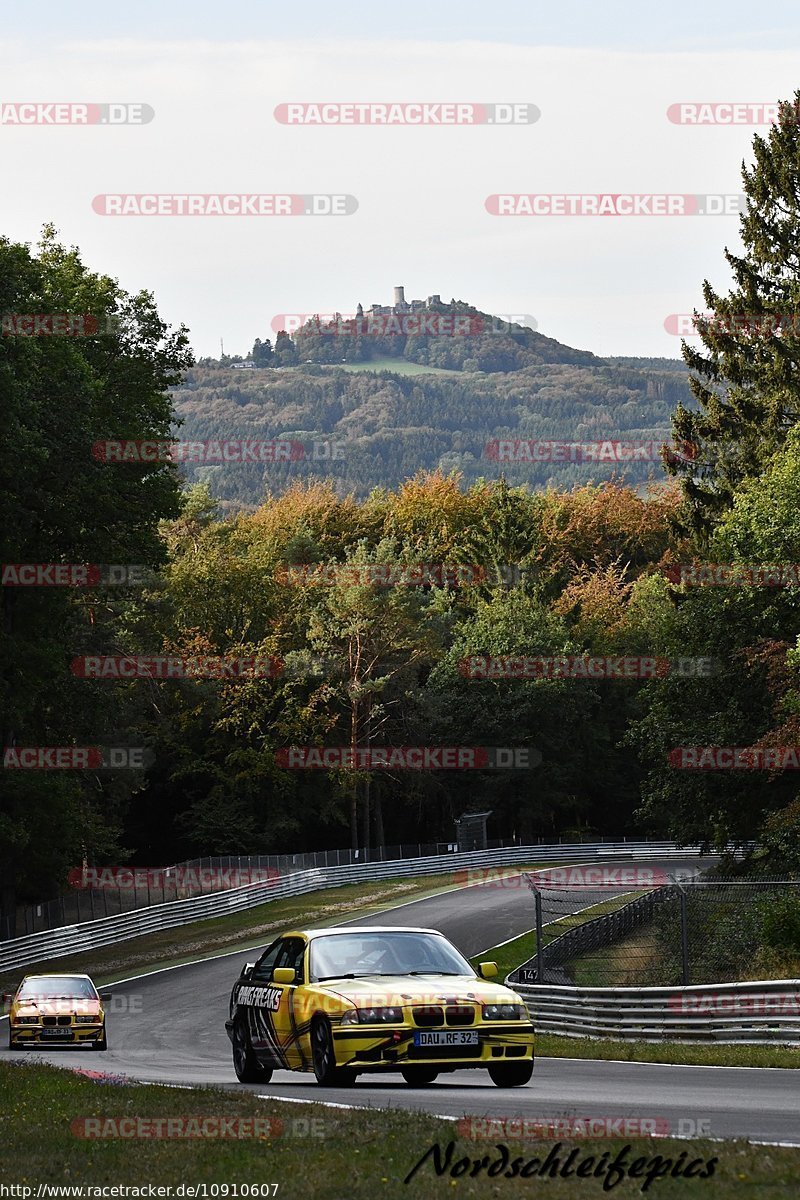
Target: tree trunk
365 813
354 816
377 806
8 899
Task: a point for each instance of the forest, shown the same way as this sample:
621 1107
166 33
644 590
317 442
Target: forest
604 655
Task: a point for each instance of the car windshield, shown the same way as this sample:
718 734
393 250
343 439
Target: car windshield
51 987
356 954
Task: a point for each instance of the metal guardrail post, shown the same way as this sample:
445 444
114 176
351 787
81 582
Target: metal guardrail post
684 935
537 896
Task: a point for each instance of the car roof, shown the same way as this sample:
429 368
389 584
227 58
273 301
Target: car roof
57 975
319 933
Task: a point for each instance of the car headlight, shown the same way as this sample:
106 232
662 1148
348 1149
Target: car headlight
87 1019
372 1016
25 1021
503 1012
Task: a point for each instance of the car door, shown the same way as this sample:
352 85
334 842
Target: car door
260 999
287 1024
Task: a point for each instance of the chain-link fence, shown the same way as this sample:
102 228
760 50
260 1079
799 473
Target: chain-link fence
686 931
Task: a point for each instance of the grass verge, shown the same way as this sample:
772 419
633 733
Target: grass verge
359 1154
694 1054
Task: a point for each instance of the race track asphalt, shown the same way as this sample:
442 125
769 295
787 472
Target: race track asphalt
171 1030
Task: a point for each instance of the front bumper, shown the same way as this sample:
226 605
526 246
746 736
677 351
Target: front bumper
72 1035
369 1048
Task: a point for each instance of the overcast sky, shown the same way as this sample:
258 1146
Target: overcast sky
602 75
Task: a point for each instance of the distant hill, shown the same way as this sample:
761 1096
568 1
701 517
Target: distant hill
390 418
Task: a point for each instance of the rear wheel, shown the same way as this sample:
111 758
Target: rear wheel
245 1064
508 1074
323 1058
419 1076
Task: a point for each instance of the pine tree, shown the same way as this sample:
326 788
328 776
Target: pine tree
747 378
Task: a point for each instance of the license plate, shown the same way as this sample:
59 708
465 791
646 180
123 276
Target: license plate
447 1037
57 1033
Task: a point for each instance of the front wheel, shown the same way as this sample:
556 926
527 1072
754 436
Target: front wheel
103 1043
419 1076
323 1058
245 1064
507 1075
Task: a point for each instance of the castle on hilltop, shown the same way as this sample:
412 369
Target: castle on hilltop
401 305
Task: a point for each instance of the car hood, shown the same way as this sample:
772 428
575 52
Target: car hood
396 990
44 1007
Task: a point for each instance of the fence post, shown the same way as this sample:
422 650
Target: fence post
684 936
537 896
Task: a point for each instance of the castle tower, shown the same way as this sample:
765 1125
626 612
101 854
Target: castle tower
399 297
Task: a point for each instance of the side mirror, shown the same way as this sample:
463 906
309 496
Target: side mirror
104 995
488 970
247 970
284 975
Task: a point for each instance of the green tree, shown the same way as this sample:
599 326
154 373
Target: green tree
59 504
747 376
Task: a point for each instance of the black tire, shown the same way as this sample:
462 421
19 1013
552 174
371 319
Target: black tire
419 1076
323 1057
14 1045
103 1043
245 1064
509 1074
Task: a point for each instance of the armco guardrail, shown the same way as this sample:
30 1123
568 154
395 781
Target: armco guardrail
766 1012
107 931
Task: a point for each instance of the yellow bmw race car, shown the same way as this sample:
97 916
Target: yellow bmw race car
57 1010
344 1002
